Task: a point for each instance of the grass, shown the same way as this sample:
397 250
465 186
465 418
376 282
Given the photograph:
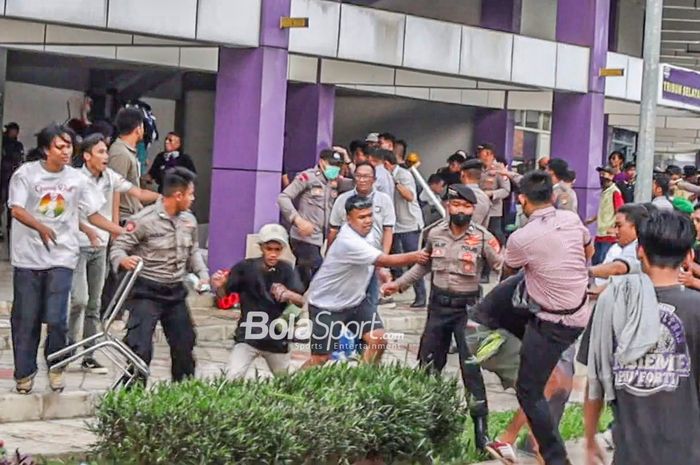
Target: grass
571 427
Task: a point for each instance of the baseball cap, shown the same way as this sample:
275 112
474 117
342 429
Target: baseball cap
12 125
486 146
273 233
332 157
460 191
605 169
372 137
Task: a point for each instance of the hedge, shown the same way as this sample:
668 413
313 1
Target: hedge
336 414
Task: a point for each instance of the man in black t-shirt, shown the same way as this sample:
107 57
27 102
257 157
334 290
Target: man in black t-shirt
656 400
267 285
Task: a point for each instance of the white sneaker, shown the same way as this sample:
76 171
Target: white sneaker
502 451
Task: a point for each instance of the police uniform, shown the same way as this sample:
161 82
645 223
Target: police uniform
565 197
168 247
311 195
455 264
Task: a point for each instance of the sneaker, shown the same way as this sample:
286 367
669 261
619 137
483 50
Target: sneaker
502 451
25 385
56 382
608 439
90 365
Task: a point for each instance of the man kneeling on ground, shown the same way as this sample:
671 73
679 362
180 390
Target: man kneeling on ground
267 285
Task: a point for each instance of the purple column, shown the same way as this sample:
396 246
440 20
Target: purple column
501 15
578 119
495 127
251 93
308 124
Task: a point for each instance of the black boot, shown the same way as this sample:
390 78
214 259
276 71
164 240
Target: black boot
481 432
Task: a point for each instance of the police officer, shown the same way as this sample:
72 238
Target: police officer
313 192
564 196
164 237
458 249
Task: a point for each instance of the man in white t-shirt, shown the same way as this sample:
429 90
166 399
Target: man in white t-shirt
47 199
337 294
622 256
89 275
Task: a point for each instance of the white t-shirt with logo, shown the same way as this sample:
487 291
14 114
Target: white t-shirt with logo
341 282
109 182
57 200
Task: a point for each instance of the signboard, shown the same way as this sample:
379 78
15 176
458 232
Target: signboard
679 87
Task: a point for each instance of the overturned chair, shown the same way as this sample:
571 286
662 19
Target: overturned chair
130 364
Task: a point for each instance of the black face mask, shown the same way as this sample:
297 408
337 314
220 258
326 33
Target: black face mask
460 219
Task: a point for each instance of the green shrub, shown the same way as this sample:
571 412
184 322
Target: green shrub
337 414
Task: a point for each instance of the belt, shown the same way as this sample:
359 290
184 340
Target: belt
454 300
566 312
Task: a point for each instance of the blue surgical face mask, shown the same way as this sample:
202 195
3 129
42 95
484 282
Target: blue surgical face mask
331 172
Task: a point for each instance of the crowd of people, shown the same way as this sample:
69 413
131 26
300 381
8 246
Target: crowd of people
362 226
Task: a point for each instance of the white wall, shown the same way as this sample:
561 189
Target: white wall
199 143
33 107
434 130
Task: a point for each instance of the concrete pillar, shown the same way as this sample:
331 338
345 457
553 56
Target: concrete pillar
501 15
495 127
308 124
251 94
3 77
578 119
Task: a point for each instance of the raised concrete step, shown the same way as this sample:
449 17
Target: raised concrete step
47 406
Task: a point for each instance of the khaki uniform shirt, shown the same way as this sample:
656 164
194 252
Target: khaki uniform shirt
456 261
168 246
565 198
500 186
122 159
482 209
314 196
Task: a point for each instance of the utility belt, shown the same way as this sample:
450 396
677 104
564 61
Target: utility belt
442 298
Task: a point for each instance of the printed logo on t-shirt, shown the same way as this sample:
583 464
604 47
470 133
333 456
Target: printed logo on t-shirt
662 368
52 205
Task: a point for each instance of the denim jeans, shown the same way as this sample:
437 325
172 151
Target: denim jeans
405 243
601 250
40 296
86 293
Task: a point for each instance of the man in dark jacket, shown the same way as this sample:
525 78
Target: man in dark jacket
170 158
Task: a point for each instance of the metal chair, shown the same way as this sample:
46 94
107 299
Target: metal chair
131 365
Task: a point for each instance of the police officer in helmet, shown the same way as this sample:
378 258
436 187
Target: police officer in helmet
163 236
458 250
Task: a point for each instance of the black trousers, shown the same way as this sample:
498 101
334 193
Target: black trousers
152 302
309 260
442 325
543 343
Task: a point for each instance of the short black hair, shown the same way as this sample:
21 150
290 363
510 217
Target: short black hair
402 143
91 141
358 144
570 176
365 163
674 170
127 120
663 181
390 157
456 158
635 213
629 165
177 179
357 202
101 127
379 154
618 153
435 178
388 136
45 137
536 186
559 167
666 237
